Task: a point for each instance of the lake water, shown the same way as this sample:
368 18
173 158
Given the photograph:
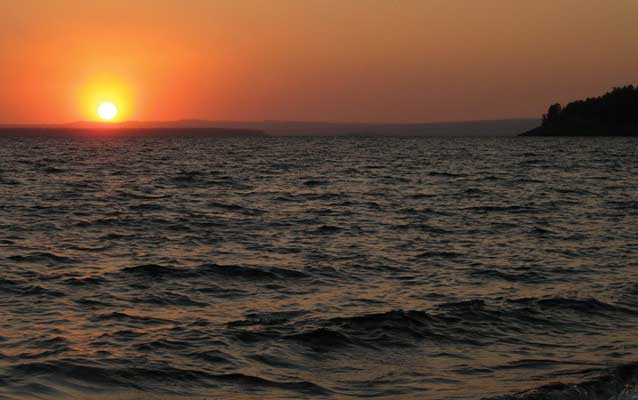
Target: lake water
288 268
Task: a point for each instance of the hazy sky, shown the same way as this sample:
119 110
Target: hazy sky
339 60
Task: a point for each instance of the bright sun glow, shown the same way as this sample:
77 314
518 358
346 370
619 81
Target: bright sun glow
107 111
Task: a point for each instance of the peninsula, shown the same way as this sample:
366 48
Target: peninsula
613 114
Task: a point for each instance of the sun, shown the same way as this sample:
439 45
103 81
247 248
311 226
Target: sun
107 111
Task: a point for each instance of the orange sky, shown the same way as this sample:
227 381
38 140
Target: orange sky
321 60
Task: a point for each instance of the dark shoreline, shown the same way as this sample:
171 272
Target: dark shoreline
582 131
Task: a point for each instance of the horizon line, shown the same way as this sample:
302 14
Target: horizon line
105 124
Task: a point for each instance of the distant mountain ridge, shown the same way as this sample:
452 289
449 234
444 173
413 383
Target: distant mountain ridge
129 128
506 127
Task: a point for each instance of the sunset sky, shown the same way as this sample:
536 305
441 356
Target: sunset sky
319 60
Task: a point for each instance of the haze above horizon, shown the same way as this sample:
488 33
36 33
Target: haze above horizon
404 61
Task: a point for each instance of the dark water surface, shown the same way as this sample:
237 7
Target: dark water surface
300 268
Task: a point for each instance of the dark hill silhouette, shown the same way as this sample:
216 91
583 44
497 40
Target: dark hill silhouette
129 128
613 114
506 127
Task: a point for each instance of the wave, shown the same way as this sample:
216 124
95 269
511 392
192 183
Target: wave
619 383
8 181
235 208
589 306
255 381
17 288
41 257
36 290
473 323
66 372
229 271
188 178
146 207
169 299
445 174
439 254
129 319
322 338
315 182
526 277
86 281
507 209
392 328
327 230
7 283
303 197
52 170
153 270
252 273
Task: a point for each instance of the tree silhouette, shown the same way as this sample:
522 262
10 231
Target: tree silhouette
616 108
552 114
